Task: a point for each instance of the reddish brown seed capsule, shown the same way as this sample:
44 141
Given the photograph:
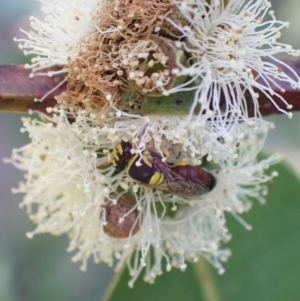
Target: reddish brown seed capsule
115 213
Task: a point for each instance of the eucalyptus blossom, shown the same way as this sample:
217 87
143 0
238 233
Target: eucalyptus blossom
69 189
173 79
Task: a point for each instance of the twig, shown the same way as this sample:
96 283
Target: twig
18 91
113 283
206 282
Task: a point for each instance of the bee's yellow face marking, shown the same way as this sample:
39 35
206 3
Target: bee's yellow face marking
119 148
117 153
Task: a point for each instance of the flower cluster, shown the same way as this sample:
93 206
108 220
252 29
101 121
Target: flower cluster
151 143
67 192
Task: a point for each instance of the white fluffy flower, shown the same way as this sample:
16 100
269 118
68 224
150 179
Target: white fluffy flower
232 47
229 56
231 52
56 39
68 187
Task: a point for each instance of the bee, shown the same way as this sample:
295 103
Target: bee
149 170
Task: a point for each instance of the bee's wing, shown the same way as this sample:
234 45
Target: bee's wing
176 184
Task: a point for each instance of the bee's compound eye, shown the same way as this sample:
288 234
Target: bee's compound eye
122 220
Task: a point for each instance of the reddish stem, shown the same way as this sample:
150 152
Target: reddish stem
292 96
18 91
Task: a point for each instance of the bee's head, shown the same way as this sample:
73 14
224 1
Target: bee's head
121 155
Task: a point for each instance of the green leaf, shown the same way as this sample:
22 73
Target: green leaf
265 262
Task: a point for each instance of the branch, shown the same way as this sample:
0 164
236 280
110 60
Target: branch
292 96
18 91
206 281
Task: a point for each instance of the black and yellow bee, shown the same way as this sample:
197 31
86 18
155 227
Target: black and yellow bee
149 170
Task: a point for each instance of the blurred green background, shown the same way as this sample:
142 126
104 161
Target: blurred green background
266 261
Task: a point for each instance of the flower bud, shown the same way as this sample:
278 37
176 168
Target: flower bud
122 220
